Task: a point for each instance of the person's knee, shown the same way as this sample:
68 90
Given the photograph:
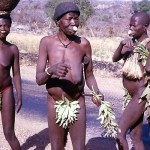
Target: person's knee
79 147
9 134
57 146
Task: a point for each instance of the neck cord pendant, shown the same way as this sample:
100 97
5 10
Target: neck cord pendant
65 45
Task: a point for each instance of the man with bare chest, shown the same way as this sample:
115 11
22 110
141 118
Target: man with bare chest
62 67
135 70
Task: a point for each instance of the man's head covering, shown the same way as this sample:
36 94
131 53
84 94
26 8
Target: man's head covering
65 7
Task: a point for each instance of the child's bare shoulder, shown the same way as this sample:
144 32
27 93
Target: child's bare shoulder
13 48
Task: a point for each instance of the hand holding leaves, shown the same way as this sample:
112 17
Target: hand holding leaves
97 97
106 116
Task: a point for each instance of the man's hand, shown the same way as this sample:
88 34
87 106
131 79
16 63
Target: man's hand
128 42
60 69
128 45
97 98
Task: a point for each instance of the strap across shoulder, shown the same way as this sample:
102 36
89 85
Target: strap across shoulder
145 41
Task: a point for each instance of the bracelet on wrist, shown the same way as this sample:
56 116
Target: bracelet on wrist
46 70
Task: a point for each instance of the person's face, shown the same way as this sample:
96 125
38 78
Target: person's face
67 22
4 27
137 27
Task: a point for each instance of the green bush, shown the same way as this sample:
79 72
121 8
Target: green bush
143 5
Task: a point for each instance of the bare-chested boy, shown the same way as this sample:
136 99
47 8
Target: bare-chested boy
9 58
66 56
134 82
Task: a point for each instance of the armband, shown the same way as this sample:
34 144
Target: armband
46 70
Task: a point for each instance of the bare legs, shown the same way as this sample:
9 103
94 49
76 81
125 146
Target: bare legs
8 118
132 119
78 130
58 134
136 135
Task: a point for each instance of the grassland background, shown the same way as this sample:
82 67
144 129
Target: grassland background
102 48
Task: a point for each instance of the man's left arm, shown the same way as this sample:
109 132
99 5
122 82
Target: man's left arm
88 70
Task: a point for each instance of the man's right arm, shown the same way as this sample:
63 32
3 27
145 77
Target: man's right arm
117 55
125 45
41 75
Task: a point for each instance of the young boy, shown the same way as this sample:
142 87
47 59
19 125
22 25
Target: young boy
64 54
135 71
9 58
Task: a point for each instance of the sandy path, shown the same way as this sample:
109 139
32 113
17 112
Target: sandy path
31 122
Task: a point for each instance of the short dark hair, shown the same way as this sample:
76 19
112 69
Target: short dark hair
144 17
6 16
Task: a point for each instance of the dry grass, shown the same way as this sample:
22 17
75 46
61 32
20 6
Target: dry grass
26 42
102 48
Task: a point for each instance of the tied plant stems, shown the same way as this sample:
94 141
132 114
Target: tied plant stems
143 53
66 112
106 116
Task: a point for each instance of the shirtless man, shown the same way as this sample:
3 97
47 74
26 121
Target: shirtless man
132 117
9 58
66 56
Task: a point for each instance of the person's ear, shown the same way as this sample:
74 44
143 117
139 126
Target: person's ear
146 26
57 23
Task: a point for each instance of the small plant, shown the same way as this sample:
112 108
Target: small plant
66 112
106 117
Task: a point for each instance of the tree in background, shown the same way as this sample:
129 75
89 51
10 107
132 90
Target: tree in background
84 6
30 17
143 5
86 10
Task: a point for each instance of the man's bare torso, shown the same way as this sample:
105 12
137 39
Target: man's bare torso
72 84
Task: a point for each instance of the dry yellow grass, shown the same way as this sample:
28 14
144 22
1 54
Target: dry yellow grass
102 48
26 42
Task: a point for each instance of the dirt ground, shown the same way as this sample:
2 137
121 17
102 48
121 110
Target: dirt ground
31 123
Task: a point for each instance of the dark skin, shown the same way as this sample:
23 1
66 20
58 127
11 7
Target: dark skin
132 117
9 58
66 69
